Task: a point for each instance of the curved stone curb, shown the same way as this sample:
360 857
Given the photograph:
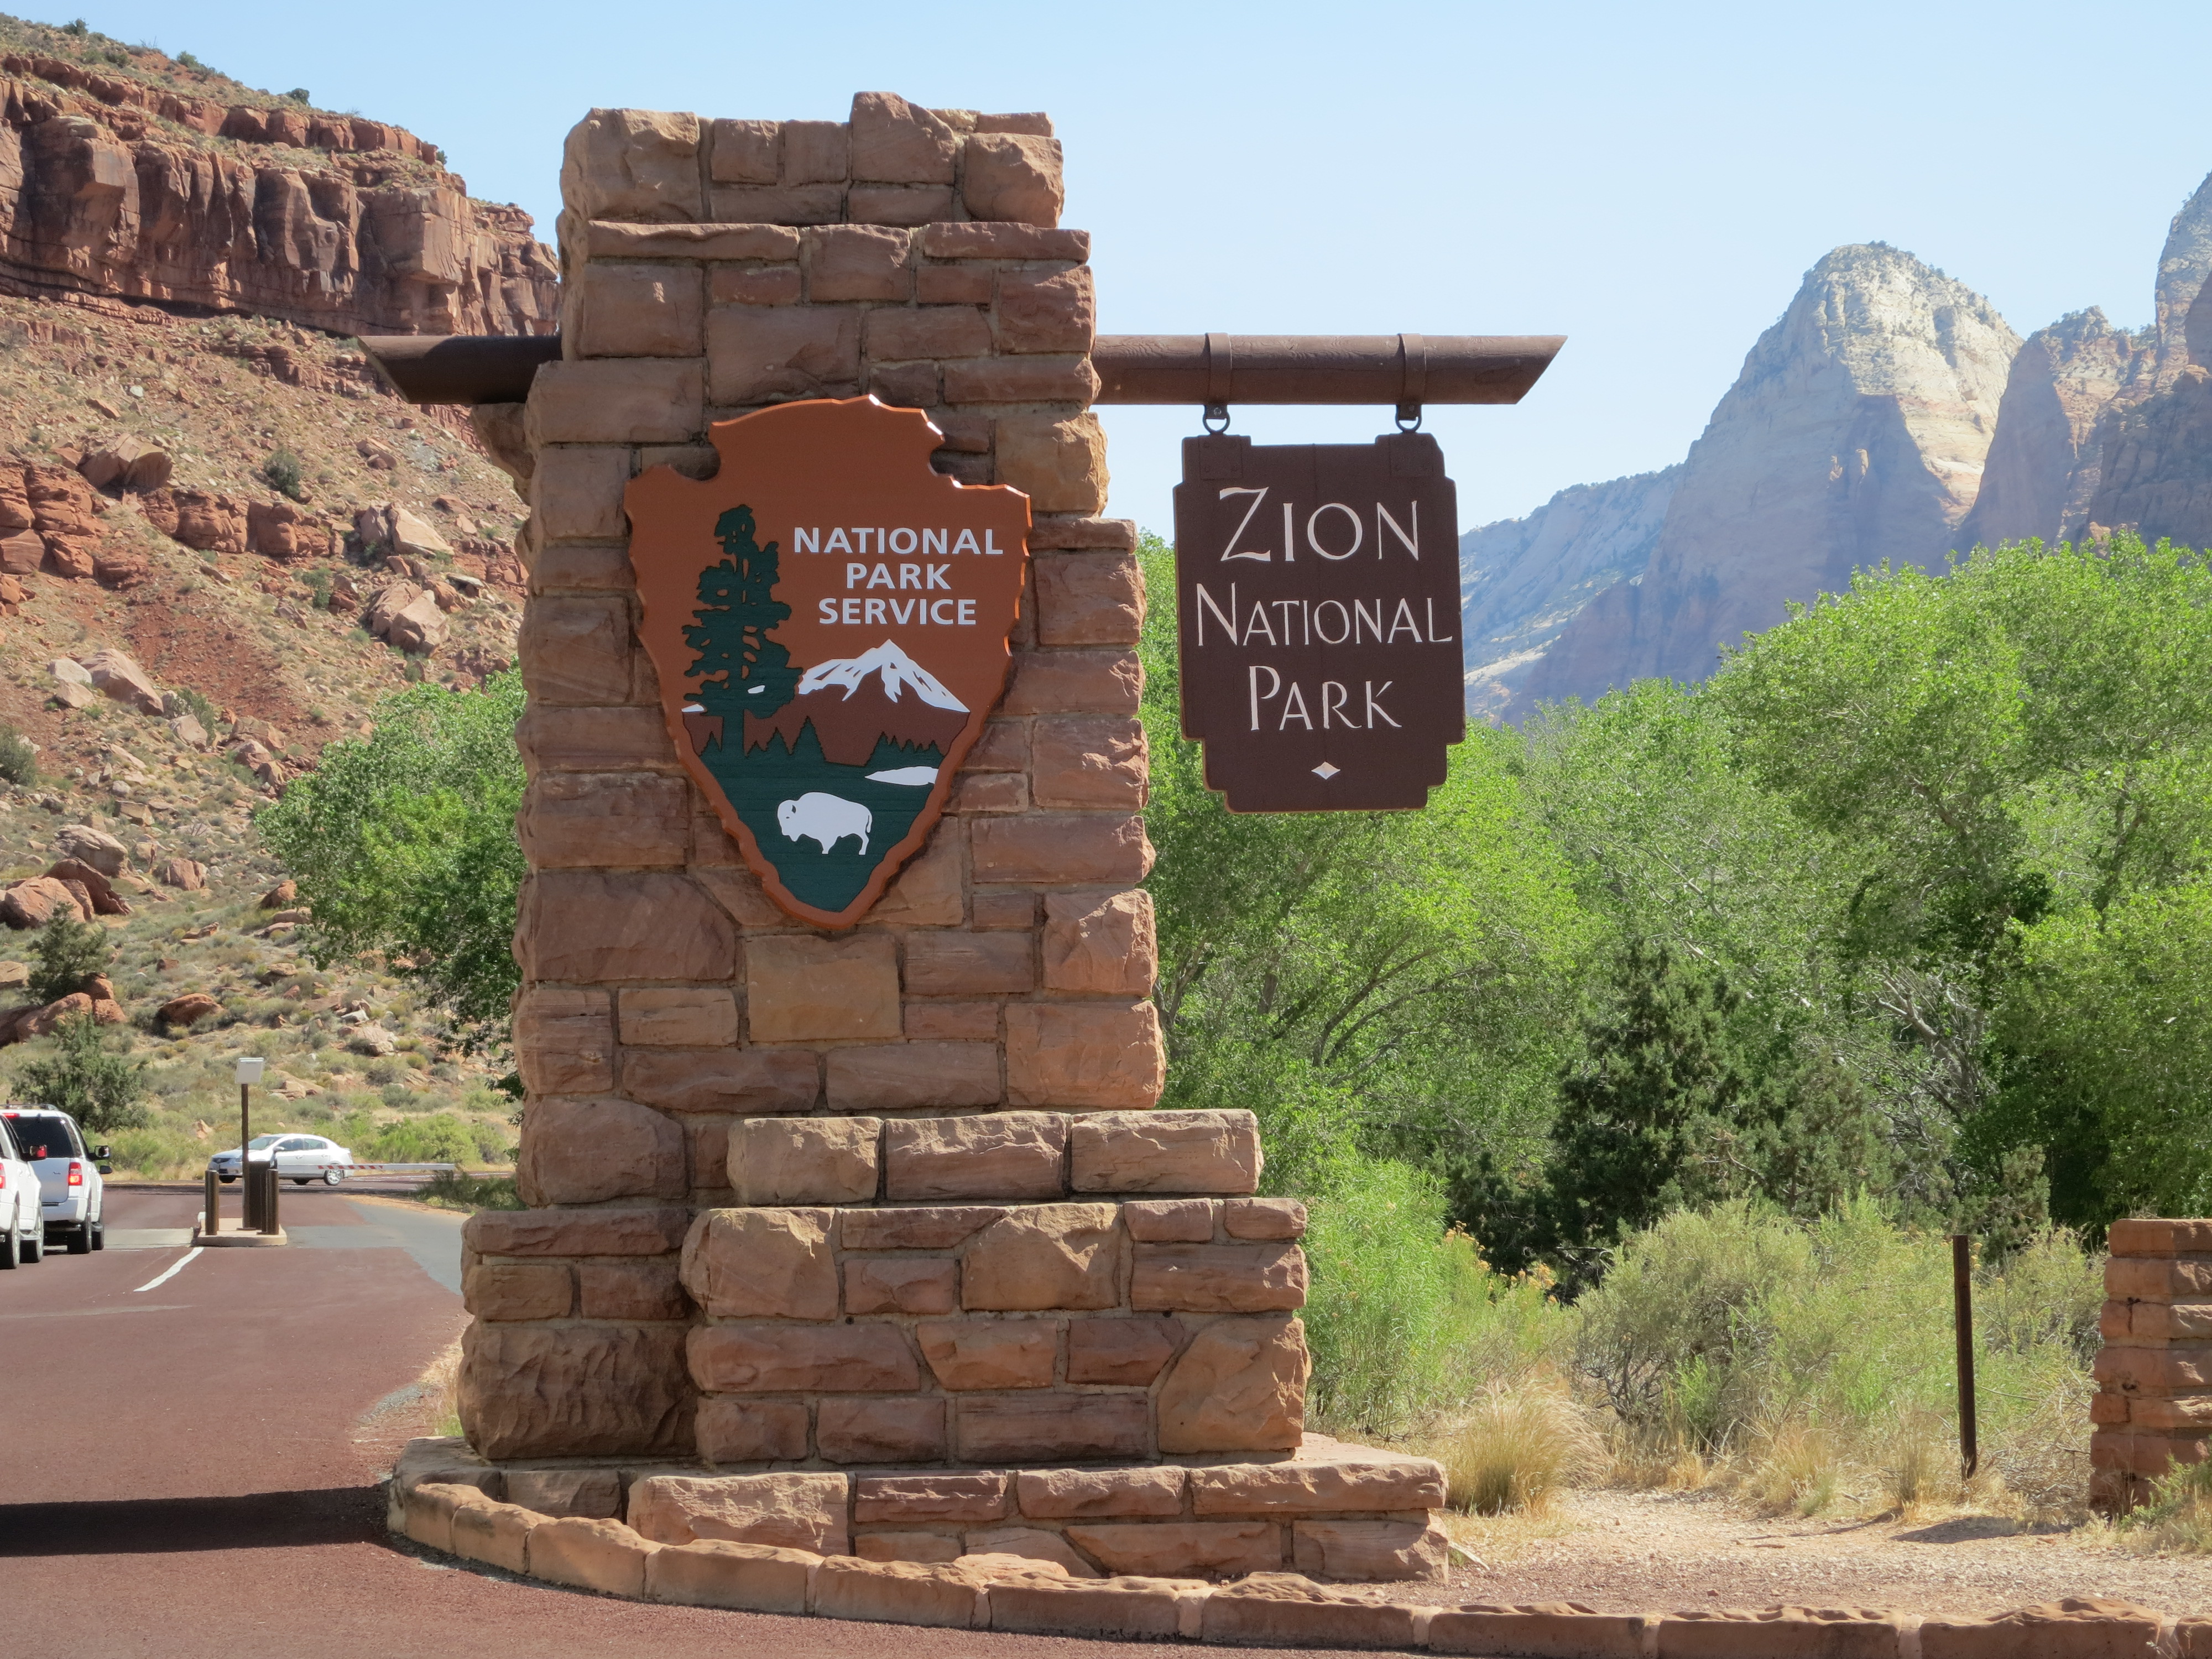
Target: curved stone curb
1013 1594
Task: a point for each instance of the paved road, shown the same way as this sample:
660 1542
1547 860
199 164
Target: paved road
191 1457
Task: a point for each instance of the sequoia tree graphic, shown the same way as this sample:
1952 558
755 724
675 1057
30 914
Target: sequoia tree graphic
740 670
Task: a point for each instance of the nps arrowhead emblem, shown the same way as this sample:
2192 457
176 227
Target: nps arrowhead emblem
830 619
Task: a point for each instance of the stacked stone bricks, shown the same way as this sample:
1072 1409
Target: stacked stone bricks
2153 1409
893 1196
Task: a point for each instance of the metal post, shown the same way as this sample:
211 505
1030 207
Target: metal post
1962 1311
211 1222
269 1224
244 1164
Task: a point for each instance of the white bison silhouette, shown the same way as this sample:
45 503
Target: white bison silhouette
826 818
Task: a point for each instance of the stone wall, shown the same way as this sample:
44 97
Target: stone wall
2153 1408
881 1195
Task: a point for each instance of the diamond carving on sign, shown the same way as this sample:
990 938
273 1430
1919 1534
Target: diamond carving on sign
1325 771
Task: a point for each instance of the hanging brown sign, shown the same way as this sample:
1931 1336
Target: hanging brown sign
828 618
1318 587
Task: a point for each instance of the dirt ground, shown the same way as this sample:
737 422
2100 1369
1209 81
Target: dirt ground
1638 1551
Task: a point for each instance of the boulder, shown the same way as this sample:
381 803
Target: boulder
416 537
69 695
281 896
420 629
126 463
387 602
105 901
372 1040
70 671
14 975
189 732
121 678
93 846
34 903
183 874
39 1022
187 1010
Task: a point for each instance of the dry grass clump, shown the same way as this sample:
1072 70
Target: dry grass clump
1515 1448
2178 1521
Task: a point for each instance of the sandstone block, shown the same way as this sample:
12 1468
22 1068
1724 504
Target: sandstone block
1041 379
427 1514
1089 599
2190 1412
1240 1385
572 820
1557 1630
1038 1427
518 1291
1165 1152
1084 1054
576 650
930 1497
716 1573
1169 1220
2158 1280
1059 461
999 1155
906 1546
595 1494
564 566
1031 1544
897 142
1218 1278
880 1430
901 1076
778 1358
733 1430
817 152
1004 241
2142 1236
900 335
594 739
1209 1549
896 1592
1125 1351
1784 1632
677 1016
580 1391
1127 1609
936 1021
761 1263
798 989
741 240
634 1292
497 1534
758 354
918 1228
576 494
1264 1217
780 205
1091 1494
956 285
1376 1484
1014 177
1047 311
2156 1371
802 1160
1056 849
1083 681
746 152
564 1039
639 311
903 1287
574 1232
1046 1256
1360 1552
990 1353
748 285
907 205
857 262
990 792
1101 942
722 1079
584 1151
588 928
1280 1608
964 963
632 164
927 892
617 400
790 1510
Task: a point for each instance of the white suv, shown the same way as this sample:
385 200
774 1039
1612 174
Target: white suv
72 1197
22 1230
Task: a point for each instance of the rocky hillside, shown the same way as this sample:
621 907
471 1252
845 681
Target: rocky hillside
221 539
128 175
1889 415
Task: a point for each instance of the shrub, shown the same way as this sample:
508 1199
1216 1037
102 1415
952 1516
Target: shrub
68 952
299 95
283 473
451 1189
1516 1447
19 760
439 1139
102 1090
2178 1518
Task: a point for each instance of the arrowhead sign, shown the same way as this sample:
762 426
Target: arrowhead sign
830 618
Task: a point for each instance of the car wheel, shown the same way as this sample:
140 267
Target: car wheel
11 1252
34 1248
332 1176
301 1181
226 1179
80 1241
98 1229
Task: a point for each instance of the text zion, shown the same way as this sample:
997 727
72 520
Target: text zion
1381 621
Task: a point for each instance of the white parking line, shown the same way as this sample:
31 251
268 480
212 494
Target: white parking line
171 1271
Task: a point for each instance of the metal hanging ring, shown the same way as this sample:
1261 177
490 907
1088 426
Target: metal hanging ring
1215 412
1409 417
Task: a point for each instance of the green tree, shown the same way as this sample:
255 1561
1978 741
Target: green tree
740 670
102 1089
403 842
67 953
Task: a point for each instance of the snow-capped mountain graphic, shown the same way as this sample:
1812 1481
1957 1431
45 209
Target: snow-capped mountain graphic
853 702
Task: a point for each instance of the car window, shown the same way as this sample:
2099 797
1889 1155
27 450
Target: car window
262 1143
43 1136
292 1144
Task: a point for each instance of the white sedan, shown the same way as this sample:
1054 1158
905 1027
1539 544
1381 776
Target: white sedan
300 1158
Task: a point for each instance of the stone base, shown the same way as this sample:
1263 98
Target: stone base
1329 1511
233 1239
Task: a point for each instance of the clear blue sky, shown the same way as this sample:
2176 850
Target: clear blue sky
1651 181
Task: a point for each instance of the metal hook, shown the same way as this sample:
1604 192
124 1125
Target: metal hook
1409 417
1215 412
